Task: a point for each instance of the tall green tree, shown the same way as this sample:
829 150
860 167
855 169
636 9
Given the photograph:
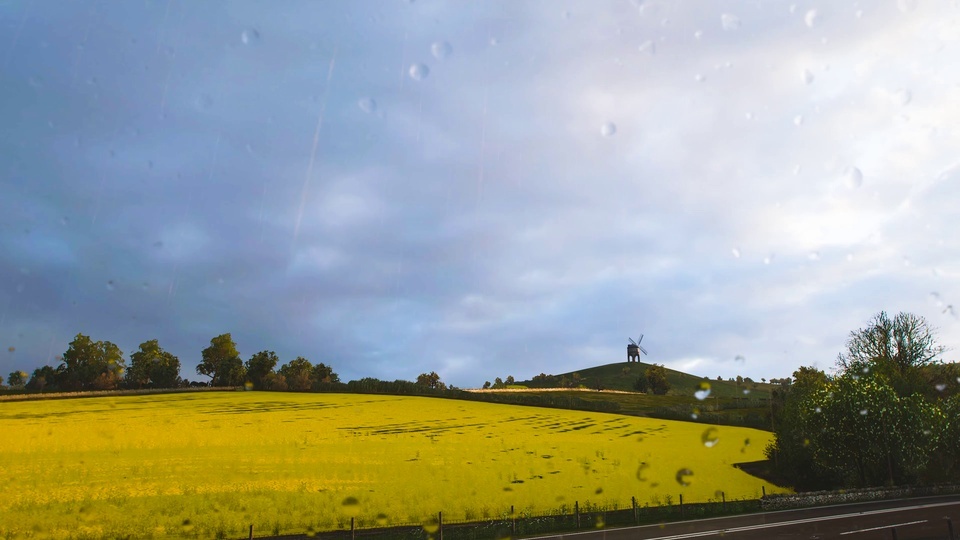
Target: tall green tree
90 365
323 373
259 366
899 347
17 379
432 380
657 379
153 367
43 378
221 362
297 373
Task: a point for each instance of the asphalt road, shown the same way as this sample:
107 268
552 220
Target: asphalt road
913 519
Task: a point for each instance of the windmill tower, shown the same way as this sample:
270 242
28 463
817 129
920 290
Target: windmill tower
634 349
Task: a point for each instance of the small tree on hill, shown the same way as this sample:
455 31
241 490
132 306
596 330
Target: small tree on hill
259 366
221 362
17 379
297 373
642 384
431 380
657 378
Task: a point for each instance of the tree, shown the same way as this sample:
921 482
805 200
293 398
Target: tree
657 378
790 451
323 373
739 381
486 385
642 384
91 365
899 348
259 366
297 373
509 380
17 379
43 378
498 383
153 367
221 362
432 380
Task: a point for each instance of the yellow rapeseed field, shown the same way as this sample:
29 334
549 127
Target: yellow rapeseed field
211 464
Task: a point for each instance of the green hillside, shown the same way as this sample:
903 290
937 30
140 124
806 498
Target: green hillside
621 376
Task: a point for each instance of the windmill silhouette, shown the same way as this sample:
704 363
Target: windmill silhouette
634 349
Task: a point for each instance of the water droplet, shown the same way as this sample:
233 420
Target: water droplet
683 477
746 391
600 522
698 34
940 387
814 255
367 105
598 491
703 391
735 252
204 102
608 130
382 520
431 525
494 42
642 472
810 18
906 6
11 349
853 177
648 47
864 412
419 72
248 385
699 77
111 285
768 259
351 506
710 437
187 525
739 358
730 21
250 36
807 76
798 120
902 97
441 50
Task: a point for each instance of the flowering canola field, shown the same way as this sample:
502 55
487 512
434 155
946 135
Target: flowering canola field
211 464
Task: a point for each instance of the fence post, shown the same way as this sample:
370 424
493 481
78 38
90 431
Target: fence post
440 523
723 501
636 517
894 531
764 488
353 529
251 531
576 510
681 505
950 529
513 522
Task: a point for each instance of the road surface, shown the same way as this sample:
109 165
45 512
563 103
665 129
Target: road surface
912 519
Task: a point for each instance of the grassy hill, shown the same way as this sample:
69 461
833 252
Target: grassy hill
621 376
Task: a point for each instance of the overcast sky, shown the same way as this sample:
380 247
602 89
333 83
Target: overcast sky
478 188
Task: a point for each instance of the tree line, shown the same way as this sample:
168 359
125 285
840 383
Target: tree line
100 365
890 415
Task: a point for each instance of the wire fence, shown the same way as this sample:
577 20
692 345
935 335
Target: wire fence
512 523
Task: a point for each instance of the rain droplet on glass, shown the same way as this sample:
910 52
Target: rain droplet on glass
250 36
710 437
648 47
798 120
903 97
367 105
703 391
729 21
683 477
853 177
814 256
807 76
810 18
608 130
906 6
735 252
419 72
441 50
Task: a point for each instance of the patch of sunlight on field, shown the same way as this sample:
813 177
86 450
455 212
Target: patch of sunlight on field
211 464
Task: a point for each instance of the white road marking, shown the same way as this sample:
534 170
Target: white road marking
884 527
